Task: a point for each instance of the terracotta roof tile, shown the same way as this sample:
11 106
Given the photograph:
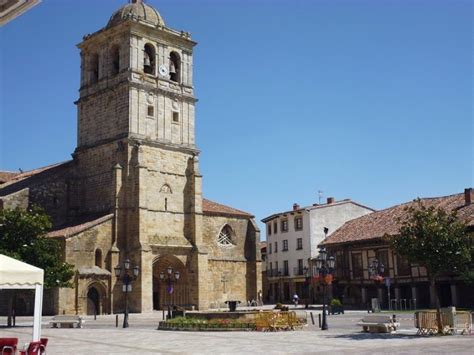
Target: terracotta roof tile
79 226
21 176
214 208
6 176
377 224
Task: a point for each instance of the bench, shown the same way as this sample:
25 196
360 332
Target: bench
378 324
66 321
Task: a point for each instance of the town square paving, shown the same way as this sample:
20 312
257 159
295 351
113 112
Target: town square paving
344 336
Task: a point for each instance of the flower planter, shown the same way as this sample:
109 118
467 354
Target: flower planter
336 309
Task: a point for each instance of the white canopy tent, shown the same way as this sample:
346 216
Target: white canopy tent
15 274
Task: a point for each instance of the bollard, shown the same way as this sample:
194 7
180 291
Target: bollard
116 321
95 314
163 314
319 319
312 318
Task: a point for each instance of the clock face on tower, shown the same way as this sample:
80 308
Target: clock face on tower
163 70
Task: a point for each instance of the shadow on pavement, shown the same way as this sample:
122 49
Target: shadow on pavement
372 336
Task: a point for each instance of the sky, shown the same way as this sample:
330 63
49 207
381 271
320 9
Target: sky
363 99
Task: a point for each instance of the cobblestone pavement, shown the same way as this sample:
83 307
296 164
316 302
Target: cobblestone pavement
344 336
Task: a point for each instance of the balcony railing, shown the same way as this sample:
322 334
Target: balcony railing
297 271
277 272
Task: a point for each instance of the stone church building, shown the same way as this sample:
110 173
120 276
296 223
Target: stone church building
133 187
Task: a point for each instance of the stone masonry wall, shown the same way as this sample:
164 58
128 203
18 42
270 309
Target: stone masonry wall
80 251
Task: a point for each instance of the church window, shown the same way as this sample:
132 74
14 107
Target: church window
175 66
151 111
94 63
115 60
98 258
175 117
224 239
166 204
149 59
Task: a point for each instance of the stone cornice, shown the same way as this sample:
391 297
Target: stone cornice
133 138
161 34
140 86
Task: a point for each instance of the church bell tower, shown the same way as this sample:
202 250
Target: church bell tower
136 81
136 155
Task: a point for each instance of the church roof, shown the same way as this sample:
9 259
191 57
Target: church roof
375 225
79 226
214 208
137 11
6 176
13 178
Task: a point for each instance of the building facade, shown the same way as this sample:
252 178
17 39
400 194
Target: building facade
358 242
292 239
133 188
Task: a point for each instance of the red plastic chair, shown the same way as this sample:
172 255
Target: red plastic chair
8 345
34 348
44 342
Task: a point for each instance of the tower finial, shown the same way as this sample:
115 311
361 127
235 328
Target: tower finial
137 1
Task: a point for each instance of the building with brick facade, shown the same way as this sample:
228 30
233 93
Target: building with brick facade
133 187
360 241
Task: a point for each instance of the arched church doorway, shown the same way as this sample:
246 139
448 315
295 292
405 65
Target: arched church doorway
177 294
95 299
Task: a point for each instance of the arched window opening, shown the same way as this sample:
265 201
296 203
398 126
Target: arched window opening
175 66
98 258
166 204
94 68
115 59
149 59
224 239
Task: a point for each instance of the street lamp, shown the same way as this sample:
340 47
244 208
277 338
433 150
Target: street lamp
171 278
279 287
123 274
307 283
324 267
376 270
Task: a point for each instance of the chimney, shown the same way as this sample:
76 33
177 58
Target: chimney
468 196
330 200
296 207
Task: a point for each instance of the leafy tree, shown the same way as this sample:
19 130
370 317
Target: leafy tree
435 239
23 237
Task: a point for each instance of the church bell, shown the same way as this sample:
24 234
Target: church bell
172 68
147 61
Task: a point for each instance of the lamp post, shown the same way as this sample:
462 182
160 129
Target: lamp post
122 272
376 270
307 283
324 267
279 287
171 279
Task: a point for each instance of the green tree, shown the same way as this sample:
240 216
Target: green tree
435 239
23 237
